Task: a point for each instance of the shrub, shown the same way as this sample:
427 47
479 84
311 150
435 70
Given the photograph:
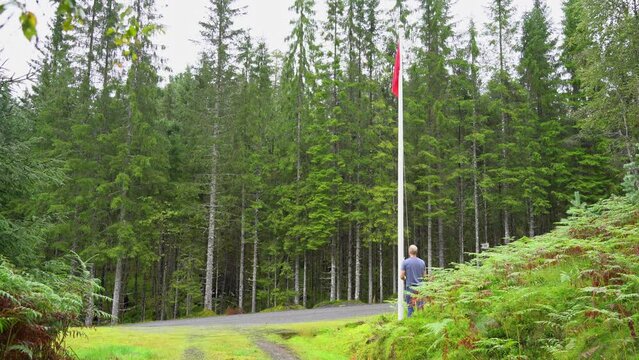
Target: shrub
39 308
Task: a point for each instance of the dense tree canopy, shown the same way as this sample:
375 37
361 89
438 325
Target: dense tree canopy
270 176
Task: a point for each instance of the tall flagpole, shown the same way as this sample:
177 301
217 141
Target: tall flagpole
400 183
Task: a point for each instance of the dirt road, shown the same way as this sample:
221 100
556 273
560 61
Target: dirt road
281 317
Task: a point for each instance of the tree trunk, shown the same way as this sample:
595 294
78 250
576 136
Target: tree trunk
143 303
296 284
349 257
90 307
440 244
175 303
338 275
163 294
255 249
429 236
370 273
506 227
531 219
381 273
240 301
304 286
358 262
210 246
117 290
461 219
475 192
394 257
333 269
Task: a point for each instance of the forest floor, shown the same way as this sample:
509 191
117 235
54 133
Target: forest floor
297 334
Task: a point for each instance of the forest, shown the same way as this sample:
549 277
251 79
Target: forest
261 179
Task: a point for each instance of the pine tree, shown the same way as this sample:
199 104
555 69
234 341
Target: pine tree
608 71
501 31
433 122
539 133
218 32
593 173
298 72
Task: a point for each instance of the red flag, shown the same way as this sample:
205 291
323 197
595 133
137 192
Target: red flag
396 73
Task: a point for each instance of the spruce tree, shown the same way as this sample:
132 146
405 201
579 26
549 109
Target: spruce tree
218 32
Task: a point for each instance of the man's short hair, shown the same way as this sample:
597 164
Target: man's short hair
412 250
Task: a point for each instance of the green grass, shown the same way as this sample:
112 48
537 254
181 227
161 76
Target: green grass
328 340
161 343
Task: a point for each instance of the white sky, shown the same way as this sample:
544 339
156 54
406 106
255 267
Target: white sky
268 19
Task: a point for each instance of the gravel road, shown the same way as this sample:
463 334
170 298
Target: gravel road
280 317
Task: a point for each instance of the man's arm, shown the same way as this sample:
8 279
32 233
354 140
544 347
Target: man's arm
402 275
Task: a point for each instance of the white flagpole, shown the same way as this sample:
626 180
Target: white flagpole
400 183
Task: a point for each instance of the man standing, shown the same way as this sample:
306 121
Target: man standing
412 273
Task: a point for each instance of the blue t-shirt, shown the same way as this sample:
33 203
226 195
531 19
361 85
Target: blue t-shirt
414 268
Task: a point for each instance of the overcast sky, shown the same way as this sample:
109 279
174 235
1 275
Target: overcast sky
267 19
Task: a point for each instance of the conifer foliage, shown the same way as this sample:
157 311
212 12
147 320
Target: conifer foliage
270 176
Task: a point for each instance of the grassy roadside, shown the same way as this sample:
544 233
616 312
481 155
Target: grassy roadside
110 343
328 340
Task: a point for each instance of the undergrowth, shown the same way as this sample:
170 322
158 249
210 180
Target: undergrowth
569 294
39 308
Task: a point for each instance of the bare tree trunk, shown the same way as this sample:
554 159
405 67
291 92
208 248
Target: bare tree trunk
304 287
333 268
163 294
475 192
461 219
175 303
349 256
90 307
117 289
381 273
440 245
370 273
358 262
143 304
531 219
485 203
255 249
240 302
394 257
217 281
429 237
338 275
210 246
296 284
